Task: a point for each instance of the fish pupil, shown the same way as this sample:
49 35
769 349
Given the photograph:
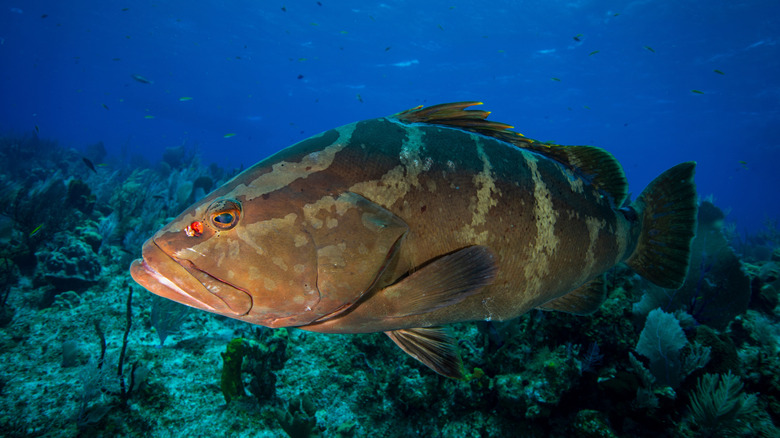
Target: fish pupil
224 218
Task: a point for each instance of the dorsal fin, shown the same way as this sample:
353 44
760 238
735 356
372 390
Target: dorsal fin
455 114
596 165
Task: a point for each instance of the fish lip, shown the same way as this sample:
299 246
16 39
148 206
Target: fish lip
158 284
146 270
167 277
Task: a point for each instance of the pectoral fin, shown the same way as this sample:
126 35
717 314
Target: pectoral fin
584 300
432 346
443 282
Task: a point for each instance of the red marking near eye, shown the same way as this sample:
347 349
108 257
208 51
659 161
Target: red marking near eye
194 229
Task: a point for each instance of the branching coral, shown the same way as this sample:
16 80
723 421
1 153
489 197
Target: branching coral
718 404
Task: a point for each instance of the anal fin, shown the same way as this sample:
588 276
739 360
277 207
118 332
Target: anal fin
584 300
432 346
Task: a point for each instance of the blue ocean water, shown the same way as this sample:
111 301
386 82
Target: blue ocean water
619 75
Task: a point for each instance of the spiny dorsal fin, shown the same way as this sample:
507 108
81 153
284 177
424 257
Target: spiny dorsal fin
455 114
584 300
432 346
598 166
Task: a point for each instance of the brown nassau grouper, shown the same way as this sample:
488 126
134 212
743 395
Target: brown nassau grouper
405 223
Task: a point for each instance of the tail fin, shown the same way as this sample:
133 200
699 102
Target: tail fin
667 211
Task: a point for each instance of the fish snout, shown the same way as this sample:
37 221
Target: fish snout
163 275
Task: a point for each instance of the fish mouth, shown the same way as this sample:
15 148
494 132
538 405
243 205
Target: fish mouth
184 283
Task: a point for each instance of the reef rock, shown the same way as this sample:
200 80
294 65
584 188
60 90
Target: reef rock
67 262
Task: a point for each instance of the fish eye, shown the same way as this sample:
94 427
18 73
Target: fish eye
224 213
224 218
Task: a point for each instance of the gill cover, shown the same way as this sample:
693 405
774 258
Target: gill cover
355 241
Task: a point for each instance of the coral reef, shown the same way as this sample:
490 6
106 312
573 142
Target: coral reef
68 262
85 356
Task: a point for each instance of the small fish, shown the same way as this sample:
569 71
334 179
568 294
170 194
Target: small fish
697 92
300 76
593 53
105 106
89 164
743 164
284 9
148 117
141 79
649 48
37 129
44 15
577 37
440 27
387 48
228 135
158 197
102 165
184 99
359 98
36 230
402 224
556 79
719 72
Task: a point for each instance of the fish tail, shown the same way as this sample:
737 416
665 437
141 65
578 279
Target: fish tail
666 211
